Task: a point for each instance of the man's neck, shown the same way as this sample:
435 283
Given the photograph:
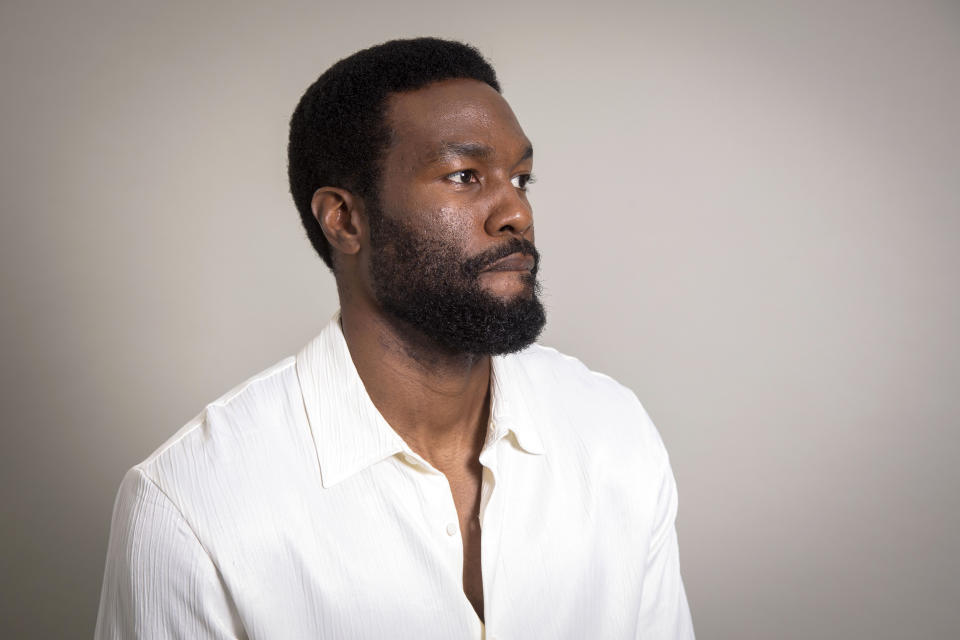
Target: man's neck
437 401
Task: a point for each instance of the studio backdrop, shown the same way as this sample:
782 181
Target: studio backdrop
748 213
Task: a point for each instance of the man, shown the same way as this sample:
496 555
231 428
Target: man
418 469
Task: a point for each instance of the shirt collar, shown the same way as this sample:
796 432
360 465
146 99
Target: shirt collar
511 407
349 432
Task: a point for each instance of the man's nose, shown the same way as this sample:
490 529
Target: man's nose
511 213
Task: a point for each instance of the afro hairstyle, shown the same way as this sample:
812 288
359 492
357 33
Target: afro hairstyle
339 133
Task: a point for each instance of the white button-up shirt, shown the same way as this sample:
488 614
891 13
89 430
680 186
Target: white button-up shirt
289 508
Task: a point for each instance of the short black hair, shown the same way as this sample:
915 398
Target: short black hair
338 132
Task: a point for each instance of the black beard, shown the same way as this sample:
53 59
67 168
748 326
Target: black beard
433 288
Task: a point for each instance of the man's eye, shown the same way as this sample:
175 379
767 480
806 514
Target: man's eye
463 177
521 181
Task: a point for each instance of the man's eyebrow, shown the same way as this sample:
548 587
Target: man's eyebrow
452 150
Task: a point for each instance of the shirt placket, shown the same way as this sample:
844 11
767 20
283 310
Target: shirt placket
442 519
491 499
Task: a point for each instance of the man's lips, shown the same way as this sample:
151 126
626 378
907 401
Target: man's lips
512 262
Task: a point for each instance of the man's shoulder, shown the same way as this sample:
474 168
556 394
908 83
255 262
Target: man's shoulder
552 370
252 416
576 402
230 466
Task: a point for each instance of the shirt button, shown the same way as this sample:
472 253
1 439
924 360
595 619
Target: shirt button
451 529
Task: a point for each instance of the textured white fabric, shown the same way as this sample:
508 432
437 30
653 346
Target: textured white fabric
290 509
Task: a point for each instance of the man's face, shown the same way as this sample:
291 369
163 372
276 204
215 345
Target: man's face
452 251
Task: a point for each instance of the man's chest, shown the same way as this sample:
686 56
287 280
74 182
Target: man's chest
465 489
393 551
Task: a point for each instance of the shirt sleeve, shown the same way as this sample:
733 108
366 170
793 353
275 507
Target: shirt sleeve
664 612
159 581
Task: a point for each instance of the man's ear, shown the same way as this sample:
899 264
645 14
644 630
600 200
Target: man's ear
339 215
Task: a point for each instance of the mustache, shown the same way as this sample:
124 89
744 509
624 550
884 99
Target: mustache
473 266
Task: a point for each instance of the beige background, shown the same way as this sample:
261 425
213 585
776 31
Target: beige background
749 214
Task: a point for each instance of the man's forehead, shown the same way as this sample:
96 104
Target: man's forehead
463 117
